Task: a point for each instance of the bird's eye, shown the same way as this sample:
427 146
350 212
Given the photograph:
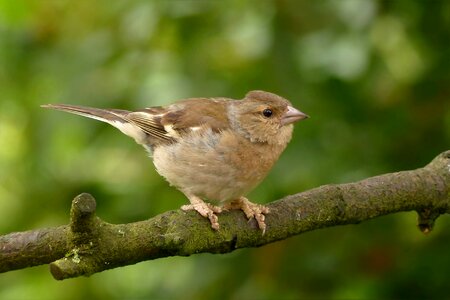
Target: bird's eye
267 113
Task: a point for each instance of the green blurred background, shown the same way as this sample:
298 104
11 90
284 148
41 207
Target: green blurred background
373 75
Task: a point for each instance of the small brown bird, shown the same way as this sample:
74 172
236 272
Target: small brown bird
212 149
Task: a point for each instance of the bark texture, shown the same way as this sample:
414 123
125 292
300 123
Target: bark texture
89 245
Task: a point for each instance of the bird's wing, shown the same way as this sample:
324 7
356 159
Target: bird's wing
174 121
149 121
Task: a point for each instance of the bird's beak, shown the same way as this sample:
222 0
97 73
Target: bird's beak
292 115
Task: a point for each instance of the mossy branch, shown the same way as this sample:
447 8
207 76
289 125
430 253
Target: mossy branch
89 245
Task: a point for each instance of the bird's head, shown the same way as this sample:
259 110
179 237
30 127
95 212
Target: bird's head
265 117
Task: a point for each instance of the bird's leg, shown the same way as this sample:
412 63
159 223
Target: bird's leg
206 210
251 210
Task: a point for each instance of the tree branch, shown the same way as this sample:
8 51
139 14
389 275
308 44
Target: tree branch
89 245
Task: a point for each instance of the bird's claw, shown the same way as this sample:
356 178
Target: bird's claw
251 210
206 210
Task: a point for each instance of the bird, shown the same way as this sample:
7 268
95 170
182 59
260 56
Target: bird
214 150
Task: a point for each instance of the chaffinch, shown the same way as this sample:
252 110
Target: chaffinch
212 149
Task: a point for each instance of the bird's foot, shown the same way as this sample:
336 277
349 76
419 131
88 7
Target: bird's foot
251 210
206 210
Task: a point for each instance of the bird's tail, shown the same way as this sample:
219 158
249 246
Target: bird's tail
114 117
104 115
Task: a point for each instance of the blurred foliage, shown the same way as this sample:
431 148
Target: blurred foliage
373 75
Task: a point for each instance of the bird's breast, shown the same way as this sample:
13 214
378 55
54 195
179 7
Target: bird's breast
217 166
